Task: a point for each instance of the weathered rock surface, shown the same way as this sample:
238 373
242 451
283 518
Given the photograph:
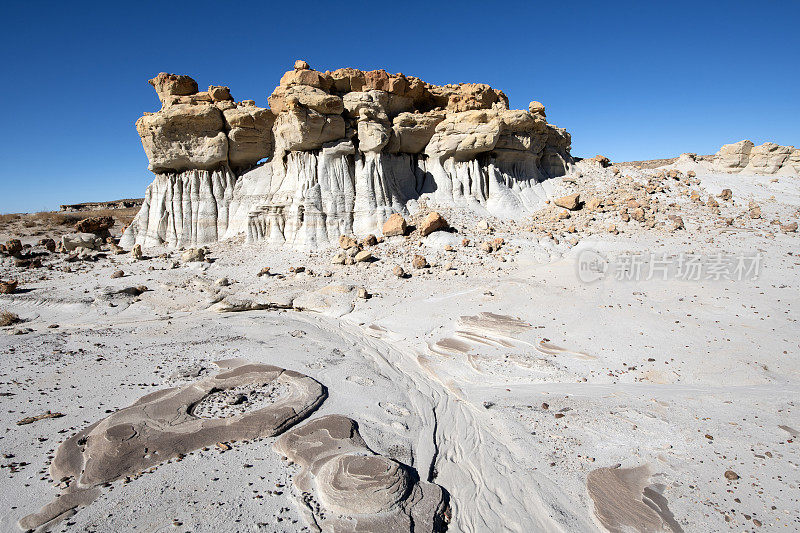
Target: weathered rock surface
73 241
345 486
167 423
768 158
346 150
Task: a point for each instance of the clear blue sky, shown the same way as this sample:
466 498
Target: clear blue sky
631 80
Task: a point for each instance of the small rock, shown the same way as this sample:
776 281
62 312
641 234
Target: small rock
398 271
483 225
369 240
677 223
731 475
222 282
419 261
362 293
726 194
263 272
136 252
789 228
339 258
117 274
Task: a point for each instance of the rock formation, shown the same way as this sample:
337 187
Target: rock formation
768 158
345 150
345 486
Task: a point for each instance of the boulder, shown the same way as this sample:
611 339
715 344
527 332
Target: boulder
536 108
571 201
219 93
433 222
395 225
363 256
249 134
184 137
411 132
372 136
13 246
308 77
49 244
468 97
193 255
464 135
73 241
347 80
346 242
8 287
284 98
301 128
601 160
173 85
99 225
367 105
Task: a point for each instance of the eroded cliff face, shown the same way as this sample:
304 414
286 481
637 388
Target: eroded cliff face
344 150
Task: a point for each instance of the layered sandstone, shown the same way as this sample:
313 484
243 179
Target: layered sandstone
344 151
768 158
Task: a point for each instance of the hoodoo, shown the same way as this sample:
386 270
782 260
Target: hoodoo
336 153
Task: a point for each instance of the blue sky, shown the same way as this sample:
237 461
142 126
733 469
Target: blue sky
631 80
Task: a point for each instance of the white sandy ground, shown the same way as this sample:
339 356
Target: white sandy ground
692 378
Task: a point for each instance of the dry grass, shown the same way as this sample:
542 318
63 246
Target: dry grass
8 319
